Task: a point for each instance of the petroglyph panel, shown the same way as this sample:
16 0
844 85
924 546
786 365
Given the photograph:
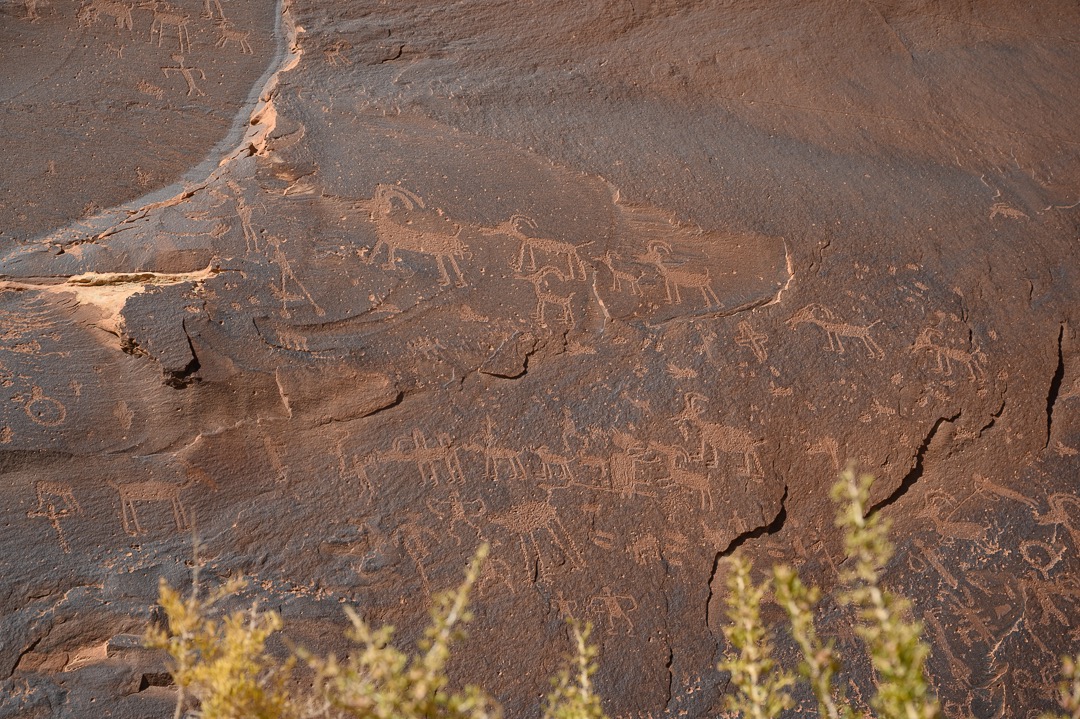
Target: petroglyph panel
583 282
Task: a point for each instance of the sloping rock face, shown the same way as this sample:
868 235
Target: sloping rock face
616 286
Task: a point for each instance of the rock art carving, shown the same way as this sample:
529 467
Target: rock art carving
755 341
930 340
415 537
166 16
209 6
494 455
428 459
677 276
227 33
279 258
529 520
824 318
684 477
827 446
188 73
404 223
719 438
620 467
42 409
545 297
121 13
455 511
619 276
555 467
519 227
616 607
149 491
55 501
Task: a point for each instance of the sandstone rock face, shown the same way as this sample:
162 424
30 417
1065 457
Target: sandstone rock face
617 286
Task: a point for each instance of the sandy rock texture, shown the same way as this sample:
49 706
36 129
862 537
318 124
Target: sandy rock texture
617 286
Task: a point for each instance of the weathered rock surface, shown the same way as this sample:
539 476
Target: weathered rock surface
617 286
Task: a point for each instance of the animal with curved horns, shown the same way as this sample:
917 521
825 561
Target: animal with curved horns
402 222
521 228
719 438
675 276
823 317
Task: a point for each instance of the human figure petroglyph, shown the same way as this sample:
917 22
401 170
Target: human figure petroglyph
42 409
55 501
357 468
168 16
617 608
227 33
828 446
565 607
456 511
150 491
414 537
428 459
930 340
619 276
545 297
414 228
494 455
755 341
521 228
719 438
244 213
188 74
824 318
279 258
529 520
684 477
620 467
121 13
676 276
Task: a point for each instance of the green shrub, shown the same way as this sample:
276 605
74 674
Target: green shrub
222 669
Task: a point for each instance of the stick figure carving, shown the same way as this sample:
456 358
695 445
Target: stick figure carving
930 340
428 459
402 222
824 318
150 491
614 605
619 276
227 33
677 276
494 455
168 16
56 501
521 228
188 74
748 337
545 296
719 438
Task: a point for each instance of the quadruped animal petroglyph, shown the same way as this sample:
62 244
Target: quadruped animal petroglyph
678 276
835 329
932 340
403 222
